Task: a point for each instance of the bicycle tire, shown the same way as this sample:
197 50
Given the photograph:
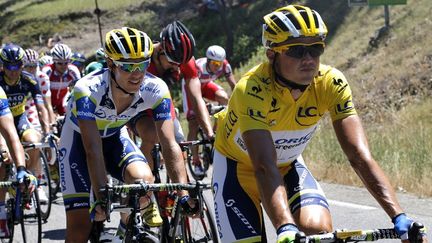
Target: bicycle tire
46 184
30 217
192 167
200 229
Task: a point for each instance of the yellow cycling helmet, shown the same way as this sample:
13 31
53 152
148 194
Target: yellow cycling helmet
127 43
292 21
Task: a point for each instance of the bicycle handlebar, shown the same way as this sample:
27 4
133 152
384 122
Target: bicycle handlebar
146 187
143 188
360 235
195 142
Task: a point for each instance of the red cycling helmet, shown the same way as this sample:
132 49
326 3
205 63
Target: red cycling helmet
177 42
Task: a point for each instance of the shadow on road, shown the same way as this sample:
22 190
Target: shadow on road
57 234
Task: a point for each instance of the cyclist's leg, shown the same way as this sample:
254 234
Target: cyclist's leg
75 185
143 126
237 205
125 162
307 200
214 92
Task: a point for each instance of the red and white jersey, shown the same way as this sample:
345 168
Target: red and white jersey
59 84
206 76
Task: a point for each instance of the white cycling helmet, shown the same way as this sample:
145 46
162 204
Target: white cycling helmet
30 57
61 52
45 60
216 53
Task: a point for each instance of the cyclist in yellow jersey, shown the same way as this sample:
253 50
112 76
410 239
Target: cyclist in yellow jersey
272 115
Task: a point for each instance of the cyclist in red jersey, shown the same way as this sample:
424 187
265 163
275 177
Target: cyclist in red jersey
62 74
173 59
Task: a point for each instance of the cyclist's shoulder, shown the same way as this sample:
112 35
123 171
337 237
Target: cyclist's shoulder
93 82
330 79
258 78
27 77
154 86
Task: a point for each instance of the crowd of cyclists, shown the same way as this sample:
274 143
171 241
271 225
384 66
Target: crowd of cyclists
126 92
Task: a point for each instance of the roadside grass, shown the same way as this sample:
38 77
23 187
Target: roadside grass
401 145
31 9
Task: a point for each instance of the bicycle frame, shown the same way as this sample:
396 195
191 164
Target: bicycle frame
135 191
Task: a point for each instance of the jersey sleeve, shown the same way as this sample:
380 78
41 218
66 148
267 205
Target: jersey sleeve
35 90
44 84
4 104
250 105
189 69
341 101
84 103
227 69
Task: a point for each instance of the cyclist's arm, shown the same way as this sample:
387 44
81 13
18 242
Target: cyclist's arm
353 141
93 148
193 87
269 180
231 81
10 134
171 151
50 111
43 117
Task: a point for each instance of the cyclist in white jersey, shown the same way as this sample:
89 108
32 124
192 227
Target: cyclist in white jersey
95 141
31 60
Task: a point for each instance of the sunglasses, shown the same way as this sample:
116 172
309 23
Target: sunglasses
300 51
216 63
30 65
62 63
12 66
133 66
170 60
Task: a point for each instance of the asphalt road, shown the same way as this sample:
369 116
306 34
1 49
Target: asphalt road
351 208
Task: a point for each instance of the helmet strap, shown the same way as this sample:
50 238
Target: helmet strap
118 86
288 83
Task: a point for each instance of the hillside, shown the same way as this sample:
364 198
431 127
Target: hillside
391 80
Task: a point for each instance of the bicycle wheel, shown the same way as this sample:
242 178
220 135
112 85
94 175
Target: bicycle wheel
45 184
200 229
31 219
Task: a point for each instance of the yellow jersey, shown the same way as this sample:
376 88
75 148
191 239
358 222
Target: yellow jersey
259 102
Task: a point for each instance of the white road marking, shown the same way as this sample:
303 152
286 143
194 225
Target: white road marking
350 205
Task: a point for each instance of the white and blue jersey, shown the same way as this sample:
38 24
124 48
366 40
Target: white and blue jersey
91 99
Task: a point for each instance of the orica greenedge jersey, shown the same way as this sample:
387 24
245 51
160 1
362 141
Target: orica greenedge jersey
258 102
91 99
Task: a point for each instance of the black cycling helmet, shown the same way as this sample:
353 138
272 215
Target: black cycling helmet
12 56
177 42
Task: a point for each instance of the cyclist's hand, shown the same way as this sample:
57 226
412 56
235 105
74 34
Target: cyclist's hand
25 179
97 211
189 205
287 233
408 232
